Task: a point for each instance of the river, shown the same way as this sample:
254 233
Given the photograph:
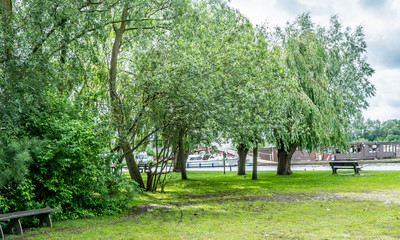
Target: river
306 167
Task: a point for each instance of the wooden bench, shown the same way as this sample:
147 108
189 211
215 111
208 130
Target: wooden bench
43 214
143 167
345 165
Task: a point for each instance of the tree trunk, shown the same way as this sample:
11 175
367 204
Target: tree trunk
6 12
177 163
131 164
242 151
6 5
116 105
149 184
255 153
285 158
181 155
115 101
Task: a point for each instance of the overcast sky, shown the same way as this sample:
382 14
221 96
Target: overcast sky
381 22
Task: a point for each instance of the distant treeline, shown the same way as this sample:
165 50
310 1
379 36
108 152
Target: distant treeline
377 131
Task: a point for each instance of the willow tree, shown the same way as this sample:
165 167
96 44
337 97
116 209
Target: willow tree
325 83
230 40
251 94
196 66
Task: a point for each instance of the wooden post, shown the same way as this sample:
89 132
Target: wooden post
223 159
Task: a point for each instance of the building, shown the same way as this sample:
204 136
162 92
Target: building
356 151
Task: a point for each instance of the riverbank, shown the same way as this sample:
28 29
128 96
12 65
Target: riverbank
324 162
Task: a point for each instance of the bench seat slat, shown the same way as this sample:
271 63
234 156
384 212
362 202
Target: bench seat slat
28 213
345 167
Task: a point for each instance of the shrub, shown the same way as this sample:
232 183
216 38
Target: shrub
62 166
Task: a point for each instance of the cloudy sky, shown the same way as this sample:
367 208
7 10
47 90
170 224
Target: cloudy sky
381 22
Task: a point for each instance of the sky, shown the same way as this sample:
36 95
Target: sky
381 22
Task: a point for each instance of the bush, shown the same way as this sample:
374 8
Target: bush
62 166
16 189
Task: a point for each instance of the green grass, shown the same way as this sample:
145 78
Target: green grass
210 205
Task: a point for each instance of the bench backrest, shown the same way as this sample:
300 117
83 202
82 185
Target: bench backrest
343 163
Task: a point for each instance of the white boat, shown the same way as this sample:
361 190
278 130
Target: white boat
233 161
212 161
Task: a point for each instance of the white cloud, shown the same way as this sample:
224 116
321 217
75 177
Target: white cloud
386 104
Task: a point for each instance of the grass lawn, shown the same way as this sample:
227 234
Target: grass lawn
211 205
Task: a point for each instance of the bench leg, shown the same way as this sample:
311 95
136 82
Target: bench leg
357 171
1 231
15 223
334 170
45 220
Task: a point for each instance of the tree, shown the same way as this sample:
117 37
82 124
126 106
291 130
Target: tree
325 83
132 17
198 68
49 94
255 98
374 130
390 127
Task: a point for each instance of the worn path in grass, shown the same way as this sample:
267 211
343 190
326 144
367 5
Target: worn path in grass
305 205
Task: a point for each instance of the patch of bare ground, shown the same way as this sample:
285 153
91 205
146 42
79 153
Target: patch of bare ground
285 197
278 197
387 197
232 196
149 208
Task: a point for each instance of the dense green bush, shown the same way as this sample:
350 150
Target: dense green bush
71 173
60 163
15 186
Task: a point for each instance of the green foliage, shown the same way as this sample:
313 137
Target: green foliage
65 167
375 130
324 84
52 131
69 170
392 138
15 161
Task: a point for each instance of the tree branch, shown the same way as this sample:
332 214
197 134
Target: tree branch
141 141
39 45
140 20
73 39
152 27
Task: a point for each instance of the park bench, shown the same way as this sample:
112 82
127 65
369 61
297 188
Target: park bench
143 167
345 165
43 214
